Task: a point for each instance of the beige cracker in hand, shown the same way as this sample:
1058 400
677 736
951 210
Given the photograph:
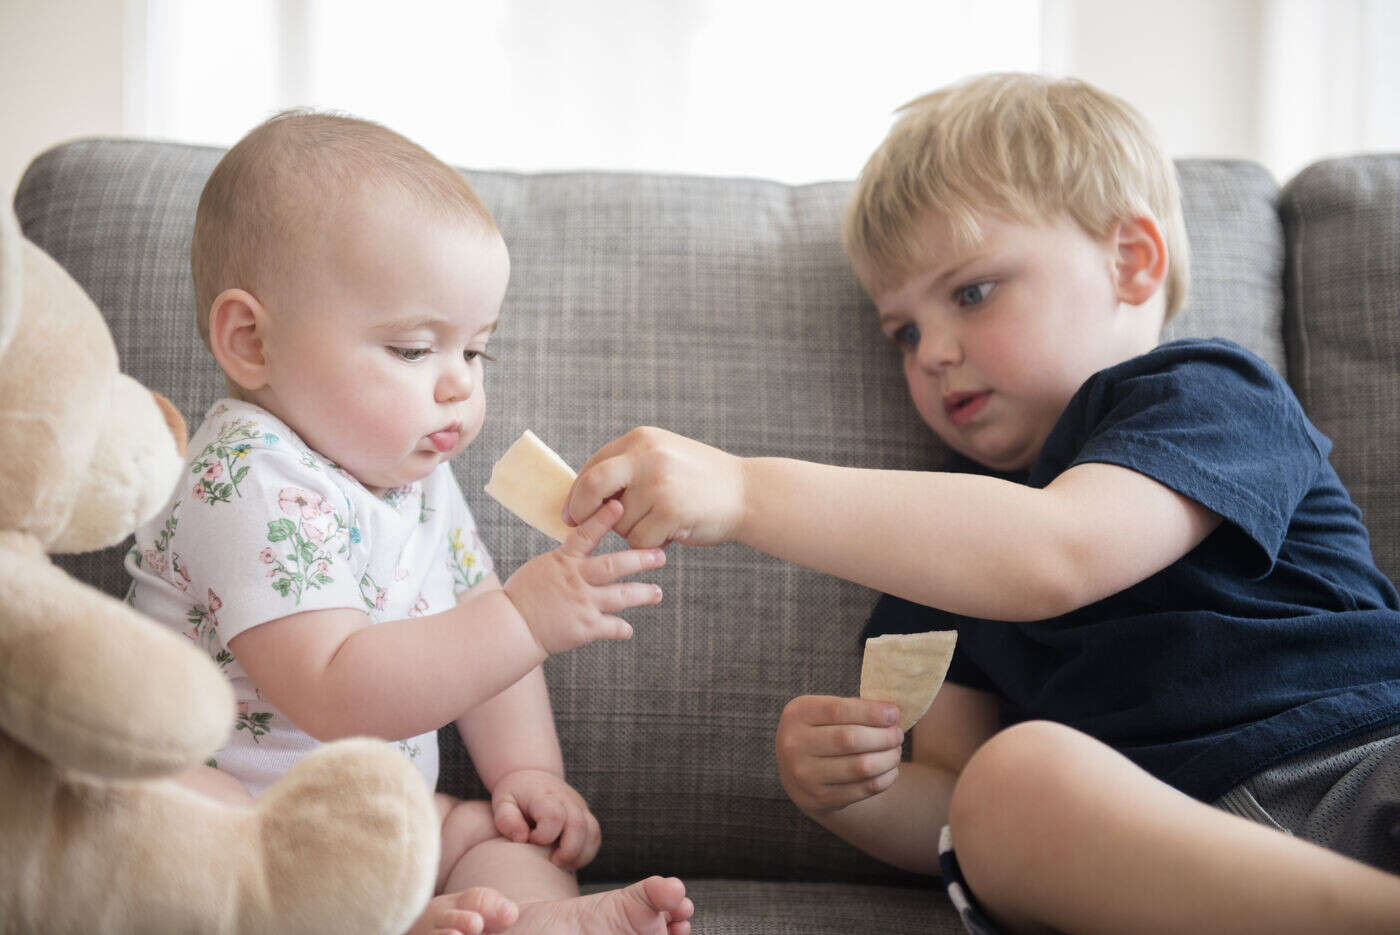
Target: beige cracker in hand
907 669
533 482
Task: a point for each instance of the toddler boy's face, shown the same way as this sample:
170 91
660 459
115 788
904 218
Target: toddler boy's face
997 337
373 355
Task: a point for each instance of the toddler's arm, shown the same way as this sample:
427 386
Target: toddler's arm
838 760
968 544
335 675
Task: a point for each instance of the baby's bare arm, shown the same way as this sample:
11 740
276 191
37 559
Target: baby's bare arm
336 676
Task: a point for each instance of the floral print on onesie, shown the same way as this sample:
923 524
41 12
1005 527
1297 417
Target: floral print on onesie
262 527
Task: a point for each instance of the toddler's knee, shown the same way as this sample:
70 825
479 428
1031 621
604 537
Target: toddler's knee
1015 777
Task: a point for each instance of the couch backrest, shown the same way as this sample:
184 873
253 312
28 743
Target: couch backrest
1343 327
720 308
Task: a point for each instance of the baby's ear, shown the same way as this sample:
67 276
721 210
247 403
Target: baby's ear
1140 259
237 328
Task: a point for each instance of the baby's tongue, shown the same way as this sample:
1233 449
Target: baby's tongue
445 440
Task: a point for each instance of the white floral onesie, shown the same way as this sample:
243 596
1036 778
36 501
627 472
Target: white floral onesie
263 527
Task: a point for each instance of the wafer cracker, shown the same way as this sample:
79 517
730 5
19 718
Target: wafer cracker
907 669
533 482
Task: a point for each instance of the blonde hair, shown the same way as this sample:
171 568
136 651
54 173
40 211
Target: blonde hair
268 192
1026 147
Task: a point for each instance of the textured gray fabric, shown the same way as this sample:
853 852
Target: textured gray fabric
747 907
719 308
1343 327
1236 257
1344 796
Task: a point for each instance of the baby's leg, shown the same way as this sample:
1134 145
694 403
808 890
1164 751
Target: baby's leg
215 784
475 857
1054 829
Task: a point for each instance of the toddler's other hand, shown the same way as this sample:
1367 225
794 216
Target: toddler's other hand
539 807
568 596
674 489
834 752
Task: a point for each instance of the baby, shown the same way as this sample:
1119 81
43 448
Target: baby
347 283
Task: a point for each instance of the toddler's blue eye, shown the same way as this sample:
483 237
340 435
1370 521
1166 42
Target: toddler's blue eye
411 354
974 294
906 337
472 355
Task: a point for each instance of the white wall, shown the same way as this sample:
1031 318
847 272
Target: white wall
1239 78
61 76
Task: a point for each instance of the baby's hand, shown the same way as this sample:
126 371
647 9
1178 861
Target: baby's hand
834 752
541 808
568 596
674 489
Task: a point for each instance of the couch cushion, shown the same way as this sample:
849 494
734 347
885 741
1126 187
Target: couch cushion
746 907
722 309
1343 327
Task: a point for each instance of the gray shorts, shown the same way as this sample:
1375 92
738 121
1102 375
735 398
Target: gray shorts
1344 796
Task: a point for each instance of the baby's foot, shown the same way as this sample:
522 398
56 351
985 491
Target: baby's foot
470 912
654 906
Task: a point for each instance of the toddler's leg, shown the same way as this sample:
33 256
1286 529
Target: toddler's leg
1054 829
475 858
215 784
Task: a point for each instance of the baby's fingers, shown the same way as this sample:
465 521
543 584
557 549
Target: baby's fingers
510 822
549 821
585 538
615 597
605 569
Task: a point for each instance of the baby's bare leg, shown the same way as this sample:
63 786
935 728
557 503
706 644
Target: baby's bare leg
1056 830
215 784
476 856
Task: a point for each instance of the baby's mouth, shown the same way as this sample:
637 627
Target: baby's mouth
445 439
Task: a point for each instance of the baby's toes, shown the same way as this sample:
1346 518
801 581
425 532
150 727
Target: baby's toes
493 911
458 922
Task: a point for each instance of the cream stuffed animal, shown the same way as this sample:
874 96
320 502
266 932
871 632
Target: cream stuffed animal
97 703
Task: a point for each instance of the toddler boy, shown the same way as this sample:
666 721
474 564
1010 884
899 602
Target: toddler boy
1178 669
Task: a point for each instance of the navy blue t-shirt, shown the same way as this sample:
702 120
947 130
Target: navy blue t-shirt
1274 635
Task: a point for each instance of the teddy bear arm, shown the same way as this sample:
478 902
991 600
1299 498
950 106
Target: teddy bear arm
91 684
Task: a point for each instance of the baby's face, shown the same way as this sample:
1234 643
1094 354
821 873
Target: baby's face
997 337
374 353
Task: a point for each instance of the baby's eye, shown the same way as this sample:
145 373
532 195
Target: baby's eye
411 354
974 294
906 337
472 355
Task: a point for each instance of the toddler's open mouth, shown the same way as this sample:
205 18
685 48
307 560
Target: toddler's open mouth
962 408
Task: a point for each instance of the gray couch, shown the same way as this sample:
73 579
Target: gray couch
724 309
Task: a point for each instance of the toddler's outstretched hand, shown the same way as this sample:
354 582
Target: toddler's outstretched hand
674 489
539 807
568 596
834 752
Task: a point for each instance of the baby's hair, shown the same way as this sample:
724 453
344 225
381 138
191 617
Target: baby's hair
283 177
1029 148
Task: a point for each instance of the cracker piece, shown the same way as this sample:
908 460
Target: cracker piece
907 669
533 482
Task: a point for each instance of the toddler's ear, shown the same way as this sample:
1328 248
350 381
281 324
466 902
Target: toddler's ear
1140 259
237 327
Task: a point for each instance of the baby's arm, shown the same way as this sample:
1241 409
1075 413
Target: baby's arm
964 543
834 757
335 675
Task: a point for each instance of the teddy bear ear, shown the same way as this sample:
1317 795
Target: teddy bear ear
10 275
